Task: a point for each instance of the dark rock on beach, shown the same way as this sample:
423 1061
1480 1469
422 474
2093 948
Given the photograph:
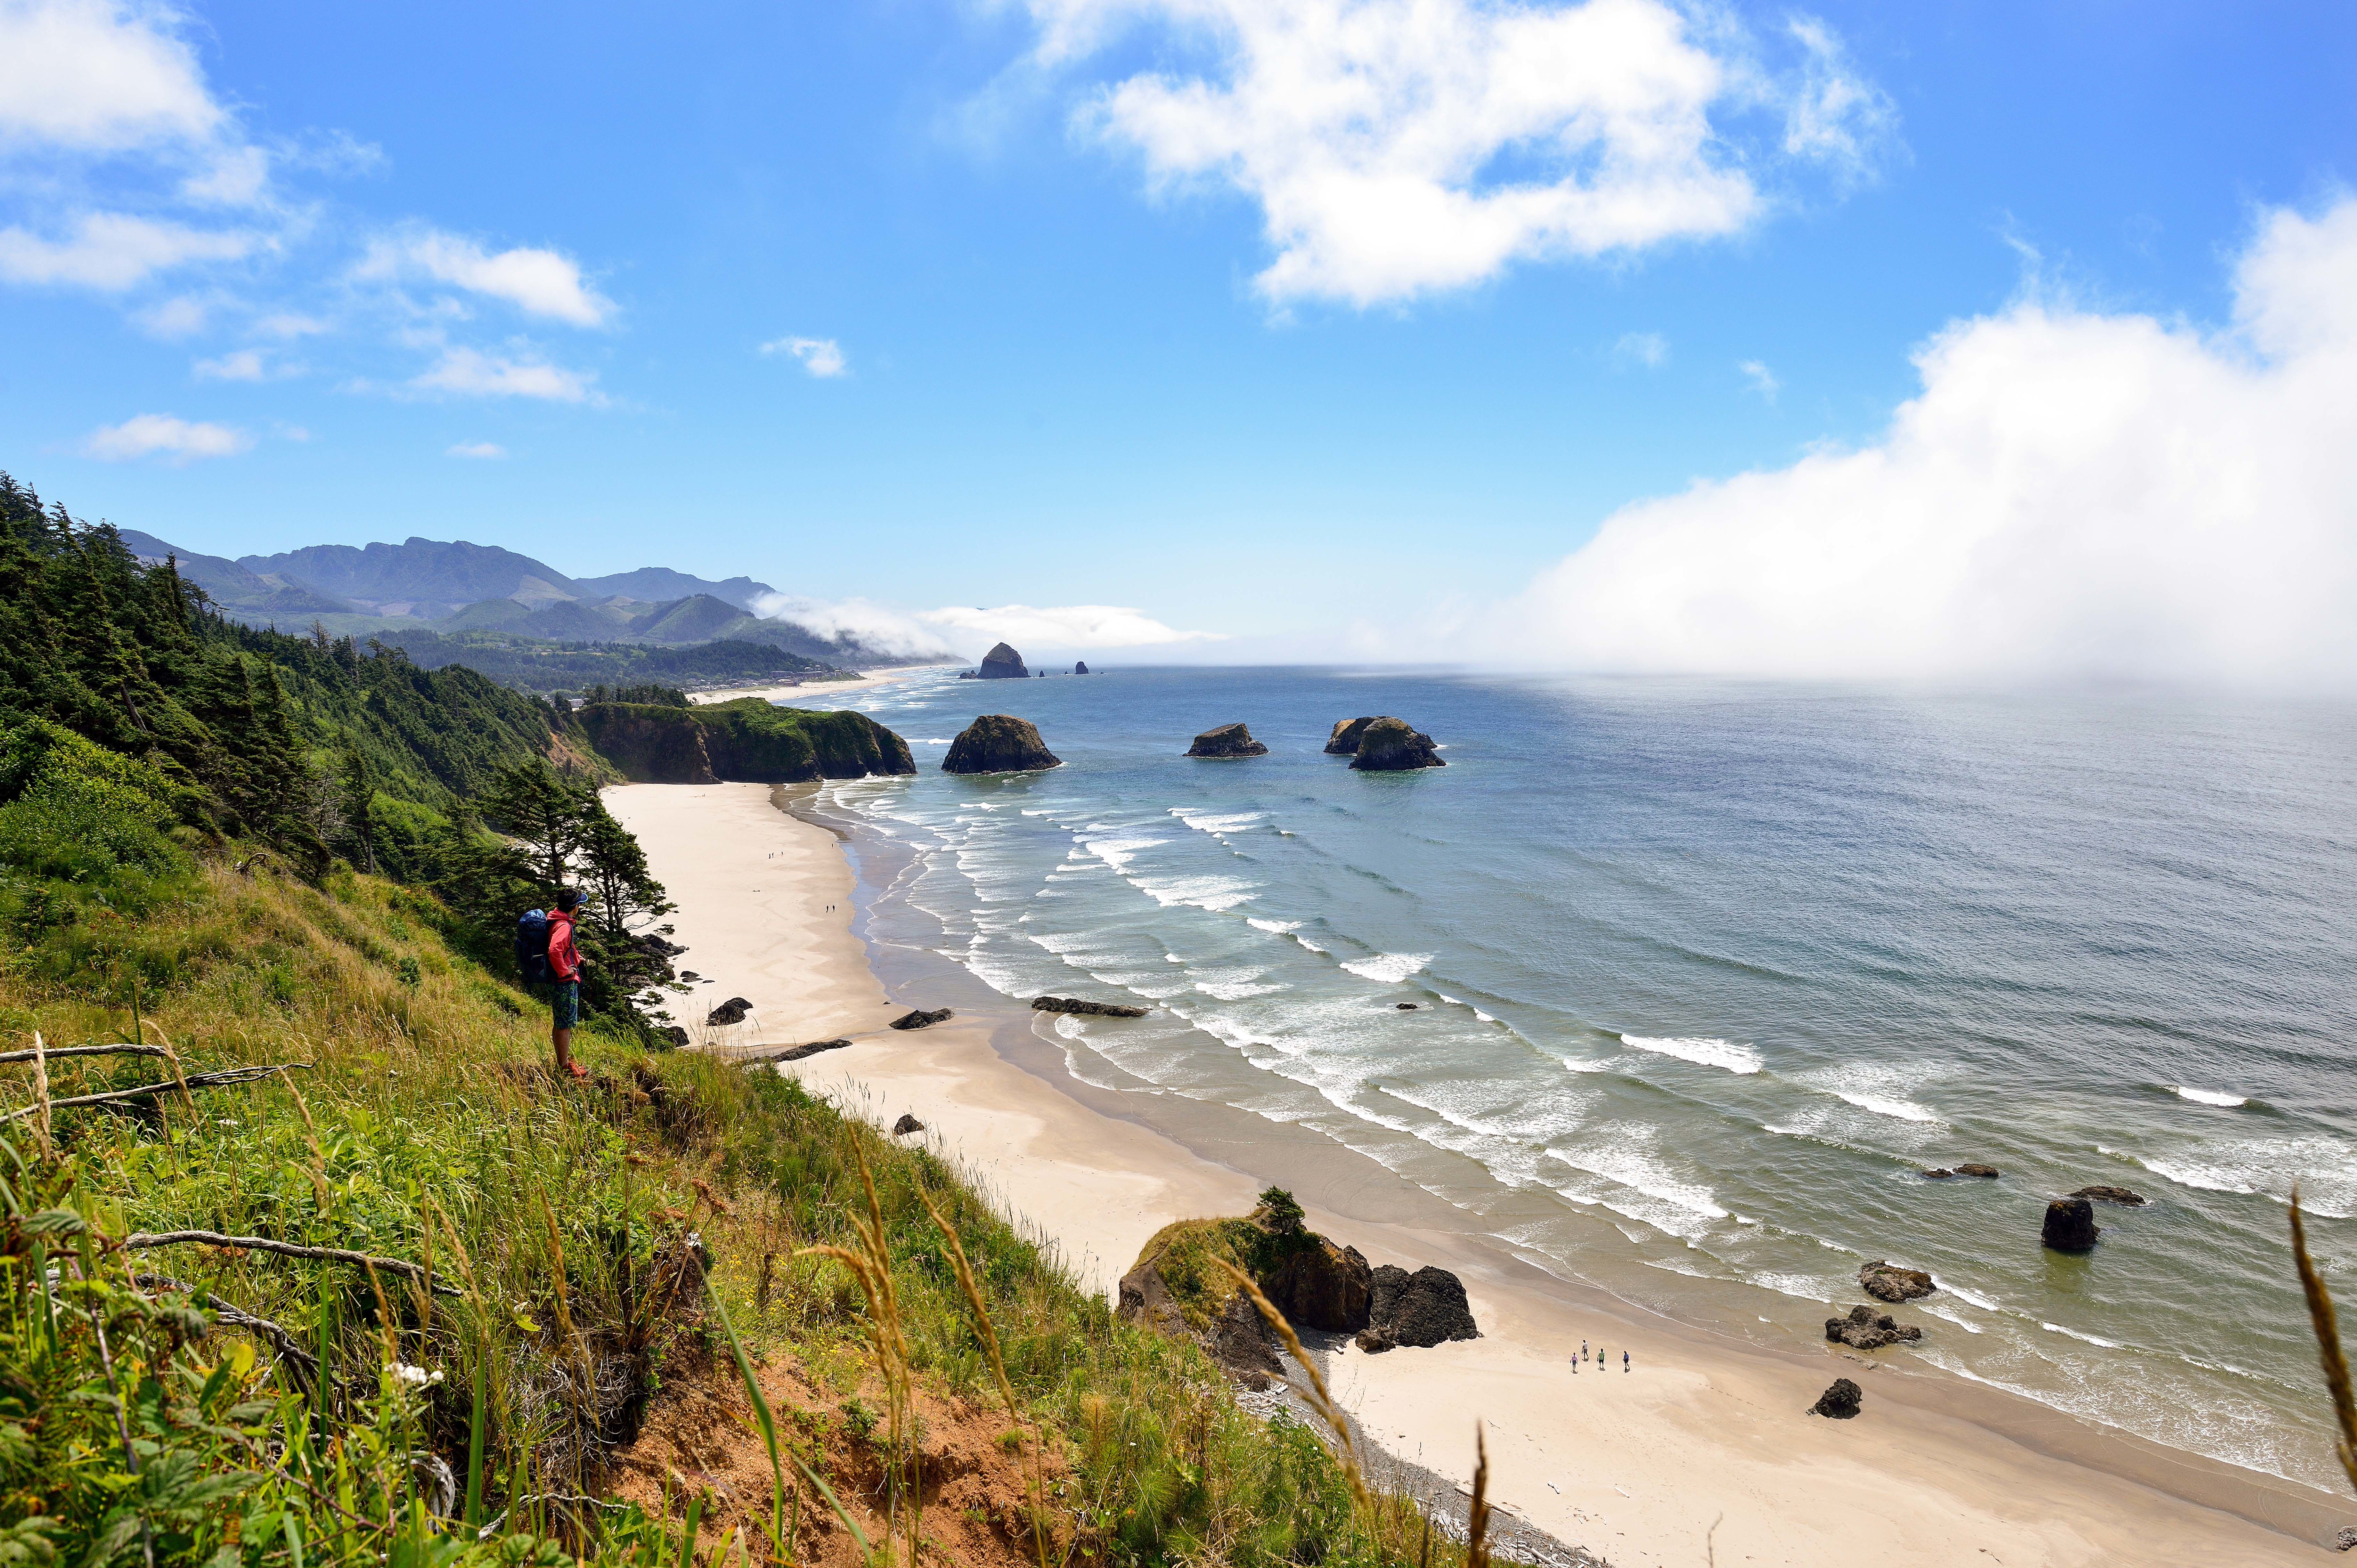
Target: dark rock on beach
1986 1173
1840 1402
1424 1308
998 743
1389 745
1093 1009
732 1011
2346 1540
1866 1329
1227 740
796 1053
2071 1225
1324 1286
1374 1341
1888 1281
919 1018
673 1035
906 1125
1002 663
2118 1195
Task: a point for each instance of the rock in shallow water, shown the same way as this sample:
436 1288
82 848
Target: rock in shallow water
999 743
1890 1282
1986 1173
1866 1329
1390 746
1092 1009
2118 1195
1840 1402
2071 1225
1227 740
1344 741
918 1019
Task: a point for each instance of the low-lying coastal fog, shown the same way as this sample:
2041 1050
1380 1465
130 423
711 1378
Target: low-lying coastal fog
1706 976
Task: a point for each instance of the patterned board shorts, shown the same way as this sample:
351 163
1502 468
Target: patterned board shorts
565 1003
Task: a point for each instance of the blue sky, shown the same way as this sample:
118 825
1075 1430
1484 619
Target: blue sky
266 272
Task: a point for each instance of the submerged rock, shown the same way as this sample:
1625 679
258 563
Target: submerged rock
1888 1281
1939 1172
2118 1195
1389 745
1002 663
1866 1329
1227 740
920 1019
1093 1009
1344 741
1840 1402
2071 1225
1986 1173
1424 1308
999 743
732 1011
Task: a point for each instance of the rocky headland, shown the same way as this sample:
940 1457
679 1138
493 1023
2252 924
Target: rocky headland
999 743
1227 740
748 740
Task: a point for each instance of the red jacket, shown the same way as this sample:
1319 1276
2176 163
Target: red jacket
564 957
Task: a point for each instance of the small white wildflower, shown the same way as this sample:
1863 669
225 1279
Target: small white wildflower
415 1377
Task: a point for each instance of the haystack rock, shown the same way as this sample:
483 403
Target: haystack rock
1344 741
2071 1225
1081 668
1003 664
999 743
1389 745
1227 740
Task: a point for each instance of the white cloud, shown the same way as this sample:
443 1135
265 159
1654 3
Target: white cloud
543 283
1061 626
289 325
100 76
820 356
2072 493
243 365
112 251
475 373
1761 378
1396 147
478 450
1650 350
860 620
161 434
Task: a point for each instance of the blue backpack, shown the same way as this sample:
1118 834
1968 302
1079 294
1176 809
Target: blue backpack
531 946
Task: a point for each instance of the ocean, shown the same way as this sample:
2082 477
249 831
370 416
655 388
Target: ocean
1705 973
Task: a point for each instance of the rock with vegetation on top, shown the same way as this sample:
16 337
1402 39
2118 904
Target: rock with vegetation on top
1180 1286
1344 741
1389 745
1840 1402
918 1018
1227 740
999 743
1003 664
732 1011
2071 1225
1424 1308
1092 1009
747 740
1866 1329
1888 1281
2118 1195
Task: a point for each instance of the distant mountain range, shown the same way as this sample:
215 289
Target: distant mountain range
424 585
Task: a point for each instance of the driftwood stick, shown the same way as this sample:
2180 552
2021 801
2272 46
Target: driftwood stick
224 1079
232 1316
54 1052
141 1239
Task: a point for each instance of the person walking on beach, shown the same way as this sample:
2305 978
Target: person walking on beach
1624 1360
565 961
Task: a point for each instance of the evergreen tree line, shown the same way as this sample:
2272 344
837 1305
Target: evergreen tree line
312 749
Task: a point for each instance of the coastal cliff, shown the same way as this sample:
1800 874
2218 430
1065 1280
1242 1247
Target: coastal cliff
748 740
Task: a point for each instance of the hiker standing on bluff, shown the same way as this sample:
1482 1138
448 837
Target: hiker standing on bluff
565 963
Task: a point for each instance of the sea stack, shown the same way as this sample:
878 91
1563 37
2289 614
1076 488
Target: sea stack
1344 741
1082 668
1389 745
2071 1225
1003 664
1227 740
999 743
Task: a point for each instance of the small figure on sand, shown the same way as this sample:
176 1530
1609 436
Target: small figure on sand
1583 1349
1624 1360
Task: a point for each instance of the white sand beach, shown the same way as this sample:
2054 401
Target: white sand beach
1701 1451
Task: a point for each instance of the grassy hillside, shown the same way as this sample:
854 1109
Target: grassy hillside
533 664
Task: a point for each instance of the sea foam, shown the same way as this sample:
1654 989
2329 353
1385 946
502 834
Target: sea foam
1390 968
1724 1055
2209 1097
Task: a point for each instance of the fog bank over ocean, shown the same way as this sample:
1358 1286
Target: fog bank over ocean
1706 972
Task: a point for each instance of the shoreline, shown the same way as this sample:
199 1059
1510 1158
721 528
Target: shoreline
862 678
1936 1470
